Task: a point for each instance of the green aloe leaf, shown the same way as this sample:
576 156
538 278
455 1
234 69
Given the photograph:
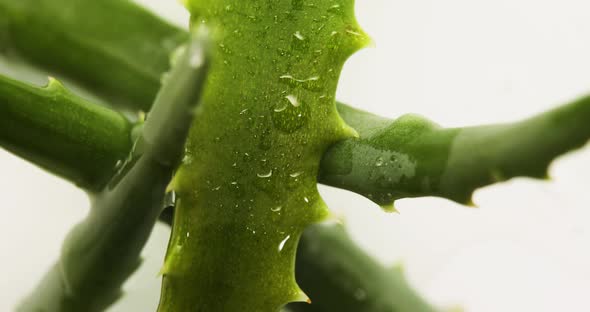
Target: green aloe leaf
102 251
247 186
413 157
61 132
122 61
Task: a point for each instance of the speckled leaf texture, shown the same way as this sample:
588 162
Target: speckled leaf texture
247 186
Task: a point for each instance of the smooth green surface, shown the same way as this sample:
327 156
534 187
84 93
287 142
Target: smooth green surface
120 53
102 251
413 157
338 276
62 132
247 186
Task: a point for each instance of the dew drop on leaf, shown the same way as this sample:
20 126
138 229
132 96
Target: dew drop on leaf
293 100
292 117
298 35
265 175
187 159
281 107
283 242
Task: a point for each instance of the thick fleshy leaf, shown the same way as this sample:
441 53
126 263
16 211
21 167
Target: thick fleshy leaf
102 251
413 157
247 186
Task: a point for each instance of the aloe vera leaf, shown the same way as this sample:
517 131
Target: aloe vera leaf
413 157
103 250
61 132
119 53
247 187
339 276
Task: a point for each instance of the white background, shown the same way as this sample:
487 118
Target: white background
459 62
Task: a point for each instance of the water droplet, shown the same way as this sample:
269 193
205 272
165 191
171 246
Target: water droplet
310 83
187 159
225 49
354 33
283 52
298 35
281 107
283 242
292 117
265 175
296 174
335 9
306 199
293 100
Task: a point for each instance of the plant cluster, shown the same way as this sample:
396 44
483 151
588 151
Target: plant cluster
239 124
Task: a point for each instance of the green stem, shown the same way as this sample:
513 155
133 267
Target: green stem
113 47
103 250
339 276
412 157
62 132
